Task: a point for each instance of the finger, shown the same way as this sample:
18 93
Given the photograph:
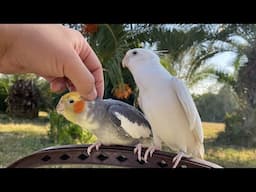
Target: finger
80 76
69 85
57 84
93 64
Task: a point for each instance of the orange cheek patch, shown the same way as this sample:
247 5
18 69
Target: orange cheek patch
79 106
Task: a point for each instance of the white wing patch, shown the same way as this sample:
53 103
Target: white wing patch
133 129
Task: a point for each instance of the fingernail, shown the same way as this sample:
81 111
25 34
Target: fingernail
92 95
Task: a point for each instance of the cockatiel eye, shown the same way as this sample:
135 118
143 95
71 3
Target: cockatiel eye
71 101
134 52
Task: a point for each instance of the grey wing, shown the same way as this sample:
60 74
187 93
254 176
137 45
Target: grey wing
130 119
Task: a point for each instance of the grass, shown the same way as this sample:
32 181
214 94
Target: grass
226 155
211 130
19 137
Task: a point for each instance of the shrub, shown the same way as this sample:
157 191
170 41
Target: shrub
64 132
240 128
3 96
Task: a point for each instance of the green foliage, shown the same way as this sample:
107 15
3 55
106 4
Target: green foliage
213 107
64 132
176 41
23 99
166 62
240 128
4 90
241 124
47 100
189 47
46 96
3 96
110 43
233 122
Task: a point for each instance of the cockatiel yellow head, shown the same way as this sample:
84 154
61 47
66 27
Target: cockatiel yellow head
70 105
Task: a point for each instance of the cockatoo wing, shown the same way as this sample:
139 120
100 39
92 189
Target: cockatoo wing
189 107
130 119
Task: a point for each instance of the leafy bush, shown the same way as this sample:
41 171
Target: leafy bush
4 86
3 96
23 99
240 128
64 132
213 107
241 125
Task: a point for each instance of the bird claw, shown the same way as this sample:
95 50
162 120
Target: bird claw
177 158
138 149
95 145
150 152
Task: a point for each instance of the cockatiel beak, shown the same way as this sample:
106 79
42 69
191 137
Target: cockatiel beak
60 107
125 61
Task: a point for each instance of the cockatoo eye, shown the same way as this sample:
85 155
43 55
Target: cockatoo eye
134 52
71 101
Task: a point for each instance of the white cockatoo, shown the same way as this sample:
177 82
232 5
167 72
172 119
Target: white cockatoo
167 104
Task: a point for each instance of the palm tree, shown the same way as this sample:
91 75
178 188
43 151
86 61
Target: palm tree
110 42
240 124
190 47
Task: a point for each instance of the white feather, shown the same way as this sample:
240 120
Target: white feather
132 128
189 108
166 103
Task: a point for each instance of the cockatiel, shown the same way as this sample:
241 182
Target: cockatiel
111 121
167 104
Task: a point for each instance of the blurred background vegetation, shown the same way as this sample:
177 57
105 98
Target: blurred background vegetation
188 51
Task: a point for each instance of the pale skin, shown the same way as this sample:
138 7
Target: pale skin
54 52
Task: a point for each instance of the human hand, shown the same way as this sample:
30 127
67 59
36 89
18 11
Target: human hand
54 52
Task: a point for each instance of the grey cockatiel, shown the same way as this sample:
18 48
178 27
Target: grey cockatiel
167 104
112 121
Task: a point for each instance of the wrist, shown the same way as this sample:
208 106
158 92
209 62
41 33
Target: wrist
5 44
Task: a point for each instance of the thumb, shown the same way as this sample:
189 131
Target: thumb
80 76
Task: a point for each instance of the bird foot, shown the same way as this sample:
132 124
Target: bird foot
138 149
95 145
150 152
178 157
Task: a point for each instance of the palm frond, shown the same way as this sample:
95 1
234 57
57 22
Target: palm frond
225 78
199 76
198 61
